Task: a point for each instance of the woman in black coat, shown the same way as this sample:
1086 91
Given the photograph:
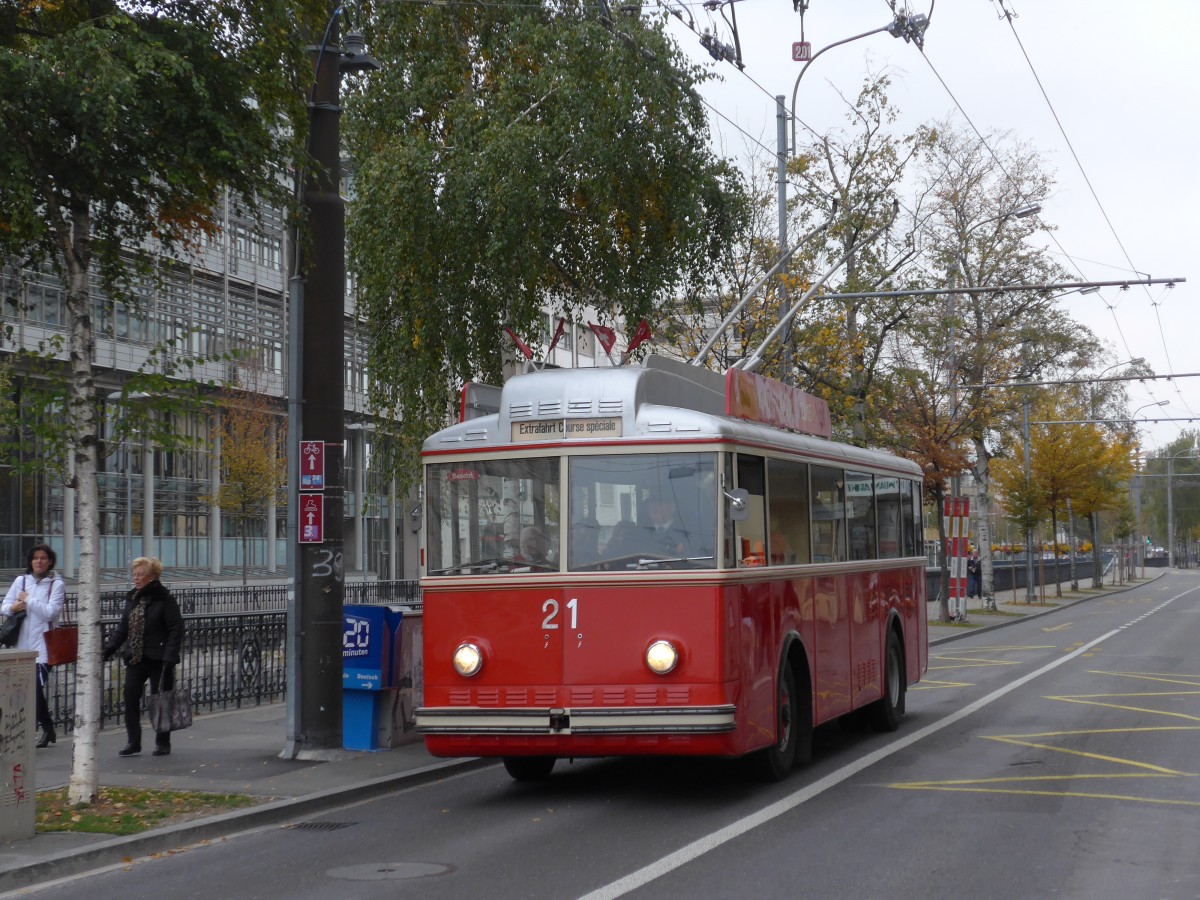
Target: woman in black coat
151 630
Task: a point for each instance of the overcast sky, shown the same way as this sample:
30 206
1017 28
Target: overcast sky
1123 80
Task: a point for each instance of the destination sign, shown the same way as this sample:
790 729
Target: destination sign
571 429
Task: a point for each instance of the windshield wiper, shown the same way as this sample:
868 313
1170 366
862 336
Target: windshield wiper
487 564
646 562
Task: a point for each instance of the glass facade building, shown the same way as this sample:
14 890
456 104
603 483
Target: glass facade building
230 296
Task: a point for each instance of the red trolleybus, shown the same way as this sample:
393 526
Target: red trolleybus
641 560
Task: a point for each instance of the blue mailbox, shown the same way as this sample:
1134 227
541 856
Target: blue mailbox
370 669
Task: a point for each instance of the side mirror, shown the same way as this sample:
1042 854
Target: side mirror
739 507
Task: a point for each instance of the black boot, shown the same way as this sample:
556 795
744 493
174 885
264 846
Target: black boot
47 738
162 750
130 750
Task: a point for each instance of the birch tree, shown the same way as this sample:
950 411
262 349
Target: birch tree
124 123
513 157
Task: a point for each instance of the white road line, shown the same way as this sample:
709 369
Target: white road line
710 842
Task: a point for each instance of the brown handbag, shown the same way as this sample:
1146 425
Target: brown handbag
62 641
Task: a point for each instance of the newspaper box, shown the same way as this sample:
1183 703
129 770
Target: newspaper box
370 670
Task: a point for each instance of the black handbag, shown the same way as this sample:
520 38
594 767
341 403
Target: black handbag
10 631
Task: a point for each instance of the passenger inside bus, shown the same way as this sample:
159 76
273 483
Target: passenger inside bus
535 546
585 542
626 540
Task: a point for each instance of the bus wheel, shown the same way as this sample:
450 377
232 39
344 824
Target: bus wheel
884 714
529 768
776 761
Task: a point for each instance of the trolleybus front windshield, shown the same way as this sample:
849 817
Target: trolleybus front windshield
626 512
642 511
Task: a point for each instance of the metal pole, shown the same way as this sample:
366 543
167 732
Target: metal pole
128 502
781 150
315 718
1071 547
1170 514
1028 505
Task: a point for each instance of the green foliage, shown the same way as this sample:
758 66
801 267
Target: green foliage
515 156
138 120
124 124
1085 464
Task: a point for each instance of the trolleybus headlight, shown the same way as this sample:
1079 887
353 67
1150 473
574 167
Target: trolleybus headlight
661 657
468 659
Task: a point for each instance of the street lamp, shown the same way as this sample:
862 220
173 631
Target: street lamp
316 407
1019 212
1170 503
1136 361
1028 488
910 27
1147 406
126 452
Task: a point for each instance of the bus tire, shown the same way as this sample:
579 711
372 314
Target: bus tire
775 762
529 768
885 713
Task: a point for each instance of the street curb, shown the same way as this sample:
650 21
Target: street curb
172 837
1108 592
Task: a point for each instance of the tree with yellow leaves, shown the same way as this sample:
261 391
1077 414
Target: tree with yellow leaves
1070 459
253 464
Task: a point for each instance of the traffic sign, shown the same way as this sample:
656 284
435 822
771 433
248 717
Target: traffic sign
312 465
312 519
801 51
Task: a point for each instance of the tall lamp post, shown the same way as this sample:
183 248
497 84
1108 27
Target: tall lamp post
1028 487
1141 547
1190 451
316 408
909 27
987 584
1136 361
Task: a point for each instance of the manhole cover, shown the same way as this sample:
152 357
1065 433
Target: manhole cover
395 871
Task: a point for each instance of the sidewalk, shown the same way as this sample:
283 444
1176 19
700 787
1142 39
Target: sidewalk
228 752
238 752
1009 610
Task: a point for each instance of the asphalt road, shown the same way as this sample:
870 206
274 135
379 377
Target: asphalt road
1052 758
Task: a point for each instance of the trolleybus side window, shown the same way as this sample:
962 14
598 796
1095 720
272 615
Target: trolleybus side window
478 511
752 533
910 505
860 514
788 540
828 514
888 509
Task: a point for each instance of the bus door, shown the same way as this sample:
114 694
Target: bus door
864 591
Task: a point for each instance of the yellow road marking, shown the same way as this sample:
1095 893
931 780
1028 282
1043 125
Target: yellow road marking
1014 739
1140 709
1062 627
1073 794
973 664
929 684
1036 741
1168 677
1012 647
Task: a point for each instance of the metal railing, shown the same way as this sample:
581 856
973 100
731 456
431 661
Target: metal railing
208 601
234 648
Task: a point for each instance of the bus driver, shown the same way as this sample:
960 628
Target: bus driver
668 537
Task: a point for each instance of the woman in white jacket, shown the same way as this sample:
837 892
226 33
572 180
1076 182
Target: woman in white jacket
39 593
